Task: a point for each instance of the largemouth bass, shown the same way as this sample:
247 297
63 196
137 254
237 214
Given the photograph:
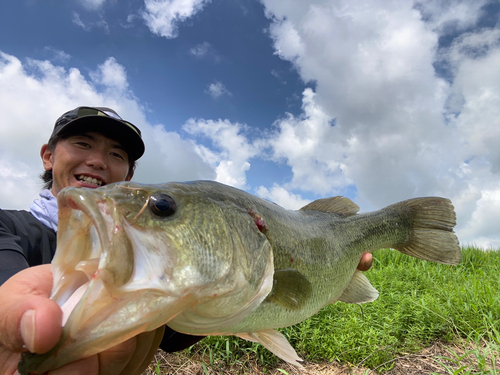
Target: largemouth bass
209 259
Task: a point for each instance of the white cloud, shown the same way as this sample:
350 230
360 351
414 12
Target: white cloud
201 49
57 55
168 157
282 197
217 89
308 144
478 82
399 129
448 16
162 16
205 51
380 121
78 21
483 226
288 43
111 75
18 177
89 25
34 94
231 161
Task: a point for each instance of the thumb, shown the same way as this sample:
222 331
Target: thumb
27 316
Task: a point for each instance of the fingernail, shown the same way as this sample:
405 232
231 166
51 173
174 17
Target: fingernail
28 329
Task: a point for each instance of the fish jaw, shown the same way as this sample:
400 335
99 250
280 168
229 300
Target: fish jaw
104 295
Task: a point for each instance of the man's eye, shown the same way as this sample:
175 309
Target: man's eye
83 144
117 155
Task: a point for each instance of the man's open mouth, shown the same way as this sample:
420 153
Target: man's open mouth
90 180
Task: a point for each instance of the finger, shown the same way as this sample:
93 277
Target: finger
365 262
152 348
115 359
28 317
8 361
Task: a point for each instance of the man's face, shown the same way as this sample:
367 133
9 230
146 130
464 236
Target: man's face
89 160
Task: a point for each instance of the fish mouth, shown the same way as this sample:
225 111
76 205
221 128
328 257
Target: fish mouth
105 295
94 251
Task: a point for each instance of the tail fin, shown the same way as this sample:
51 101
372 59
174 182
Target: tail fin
432 237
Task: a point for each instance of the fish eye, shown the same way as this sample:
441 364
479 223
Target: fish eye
162 205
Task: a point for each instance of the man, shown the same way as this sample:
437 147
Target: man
89 147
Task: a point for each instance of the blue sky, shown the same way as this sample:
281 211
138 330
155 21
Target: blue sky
290 100
225 42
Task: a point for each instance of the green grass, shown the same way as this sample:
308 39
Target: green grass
420 303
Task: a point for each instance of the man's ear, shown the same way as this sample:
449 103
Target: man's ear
46 154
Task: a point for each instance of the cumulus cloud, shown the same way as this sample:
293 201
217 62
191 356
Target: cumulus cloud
448 16
232 149
282 197
477 117
381 123
35 93
308 144
217 89
169 157
163 16
381 120
483 226
110 75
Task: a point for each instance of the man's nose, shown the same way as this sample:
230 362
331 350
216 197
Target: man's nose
97 159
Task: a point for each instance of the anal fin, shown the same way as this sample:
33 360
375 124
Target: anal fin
359 290
275 342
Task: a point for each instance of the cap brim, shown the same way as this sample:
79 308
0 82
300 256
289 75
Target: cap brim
109 127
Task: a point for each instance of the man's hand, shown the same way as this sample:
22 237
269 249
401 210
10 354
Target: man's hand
365 262
30 320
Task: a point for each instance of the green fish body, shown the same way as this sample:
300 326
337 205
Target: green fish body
209 259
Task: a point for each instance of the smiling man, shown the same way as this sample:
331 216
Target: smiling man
89 147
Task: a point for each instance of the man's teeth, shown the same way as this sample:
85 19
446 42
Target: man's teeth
90 180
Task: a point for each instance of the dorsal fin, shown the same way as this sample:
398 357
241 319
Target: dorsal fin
338 205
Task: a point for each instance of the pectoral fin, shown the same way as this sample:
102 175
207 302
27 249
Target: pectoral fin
275 342
291 289
359 290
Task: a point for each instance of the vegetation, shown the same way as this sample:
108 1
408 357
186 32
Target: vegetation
420 303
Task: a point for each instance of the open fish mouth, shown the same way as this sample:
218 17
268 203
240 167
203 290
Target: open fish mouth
108 288
95 254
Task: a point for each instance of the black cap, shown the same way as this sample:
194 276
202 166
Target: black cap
105 121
